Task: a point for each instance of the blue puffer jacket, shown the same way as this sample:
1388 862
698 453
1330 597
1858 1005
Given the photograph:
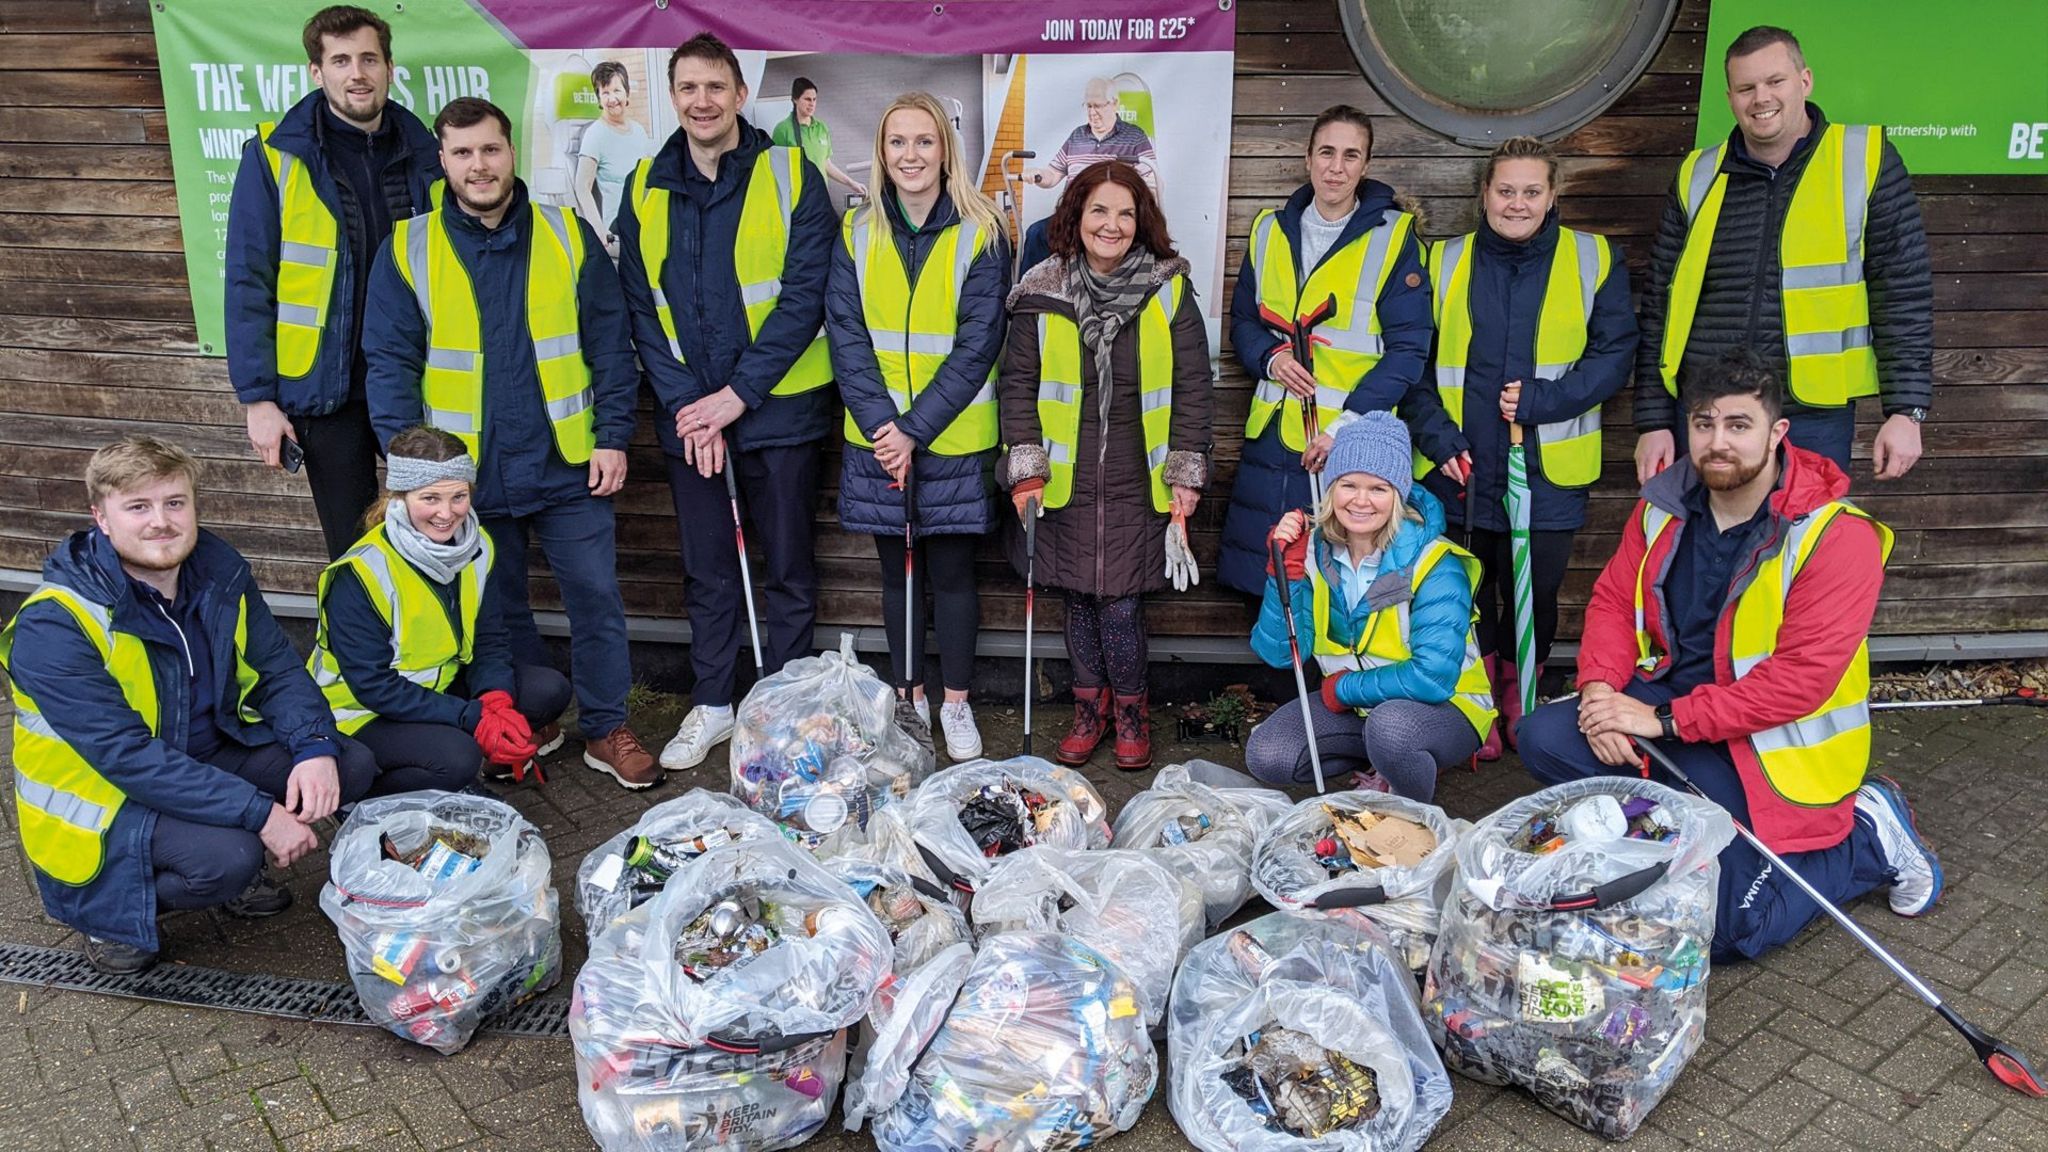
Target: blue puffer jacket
1508 282
952 491
711 321
1439 618
250 291
53 661
1270 479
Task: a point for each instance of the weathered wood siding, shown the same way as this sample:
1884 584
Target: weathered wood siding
96 334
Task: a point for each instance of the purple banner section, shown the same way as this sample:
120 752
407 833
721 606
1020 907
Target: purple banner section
958 27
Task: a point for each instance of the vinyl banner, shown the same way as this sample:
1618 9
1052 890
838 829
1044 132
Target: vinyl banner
1959 88
1037 89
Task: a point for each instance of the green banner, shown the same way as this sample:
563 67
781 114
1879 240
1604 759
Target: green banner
1959 88
229 65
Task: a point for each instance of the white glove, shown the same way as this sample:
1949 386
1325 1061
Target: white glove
1180 559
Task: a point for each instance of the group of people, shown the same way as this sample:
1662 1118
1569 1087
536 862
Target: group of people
392 290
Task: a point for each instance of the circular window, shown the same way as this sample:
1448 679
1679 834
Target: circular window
1480 71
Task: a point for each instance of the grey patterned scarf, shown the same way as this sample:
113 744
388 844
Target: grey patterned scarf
441 563
1104 304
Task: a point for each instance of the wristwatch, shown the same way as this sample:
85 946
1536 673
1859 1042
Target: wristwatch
1916 415
1670 726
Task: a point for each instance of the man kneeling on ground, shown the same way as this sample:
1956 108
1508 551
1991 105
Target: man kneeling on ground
1732 626
166 736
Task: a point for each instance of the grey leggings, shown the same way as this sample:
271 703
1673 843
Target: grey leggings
1405 741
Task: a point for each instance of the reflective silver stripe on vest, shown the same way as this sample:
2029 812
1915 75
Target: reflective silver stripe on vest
1588 246
567 406
416 260
1331 398
379 565
987 395
1447 377
424 677
293 252
1153 399
1828 343
449 420
285 163
1054 392
1703 172
762 293
303 315
963 254
1269 392
778 164
34 722
1855 206
1814 729
451 359
1654 521
661 303
1450 255
910 343
1261 237
62 806
1359 337
1788 570
1058 453
1155 458
556 347
557 224
1586 423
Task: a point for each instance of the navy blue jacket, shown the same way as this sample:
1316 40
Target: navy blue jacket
55 663
1508 282
1270 479
711 321
520 471
952 491
250 293
361 643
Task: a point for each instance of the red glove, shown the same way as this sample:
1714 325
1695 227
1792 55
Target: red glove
1025 492
1330 700
503 733
1293 553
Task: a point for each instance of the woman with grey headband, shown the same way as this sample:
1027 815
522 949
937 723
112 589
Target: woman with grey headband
412 652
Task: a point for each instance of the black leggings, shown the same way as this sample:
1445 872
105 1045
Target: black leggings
1550 553
945 572
1106 642
412 757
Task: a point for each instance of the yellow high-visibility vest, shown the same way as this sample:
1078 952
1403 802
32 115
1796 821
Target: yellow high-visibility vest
760 248
1383 638
425 646
1819 758
1820 265
912 327
1568 450
308 253
63 805
452 388
1059 393
1349 342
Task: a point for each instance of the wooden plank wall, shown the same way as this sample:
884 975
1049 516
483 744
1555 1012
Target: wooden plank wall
96 336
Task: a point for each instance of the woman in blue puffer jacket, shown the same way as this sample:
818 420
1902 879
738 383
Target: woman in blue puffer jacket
914 315
1384 603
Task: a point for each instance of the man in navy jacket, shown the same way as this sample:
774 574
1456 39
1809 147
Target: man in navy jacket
127 810
359 161
717 379
527 481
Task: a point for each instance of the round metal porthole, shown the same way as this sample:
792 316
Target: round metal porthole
1480 71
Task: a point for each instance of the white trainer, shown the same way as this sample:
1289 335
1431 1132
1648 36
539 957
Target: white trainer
923 704
1919 881
701 731
963 739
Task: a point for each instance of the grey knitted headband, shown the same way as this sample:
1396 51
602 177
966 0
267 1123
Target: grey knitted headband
405 473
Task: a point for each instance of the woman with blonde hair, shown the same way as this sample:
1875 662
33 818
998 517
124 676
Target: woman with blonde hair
914 316
1534 328
1385 604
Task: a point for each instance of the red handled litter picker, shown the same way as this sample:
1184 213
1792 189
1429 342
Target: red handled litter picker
1301 341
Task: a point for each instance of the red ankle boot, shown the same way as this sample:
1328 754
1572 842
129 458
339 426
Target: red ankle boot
1091 724
1133 733
1509 701
1490 751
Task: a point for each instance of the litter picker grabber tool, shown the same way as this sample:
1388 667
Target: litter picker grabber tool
2002 1061
1301 341
739 536
910 636
1308 718
2023 696
1030 607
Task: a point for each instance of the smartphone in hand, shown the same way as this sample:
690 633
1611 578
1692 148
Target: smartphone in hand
290 454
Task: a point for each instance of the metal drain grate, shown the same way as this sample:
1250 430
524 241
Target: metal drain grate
320 1001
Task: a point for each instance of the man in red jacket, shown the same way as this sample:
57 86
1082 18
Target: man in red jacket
1731 625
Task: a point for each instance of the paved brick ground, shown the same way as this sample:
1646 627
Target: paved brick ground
1815 1048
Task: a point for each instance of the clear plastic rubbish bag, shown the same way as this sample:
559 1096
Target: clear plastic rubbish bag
966 816
1046 1048
628 869
1203 820
445 912
1298 1031
1126 905
1385 857
816 748
934 948
714 1016
1573 956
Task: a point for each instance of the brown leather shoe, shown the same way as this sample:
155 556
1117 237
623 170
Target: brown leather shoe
619 754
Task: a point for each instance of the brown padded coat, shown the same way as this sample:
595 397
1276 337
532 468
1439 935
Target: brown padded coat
1107 541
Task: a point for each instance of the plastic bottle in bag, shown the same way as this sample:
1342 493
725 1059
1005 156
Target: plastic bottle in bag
1203 821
